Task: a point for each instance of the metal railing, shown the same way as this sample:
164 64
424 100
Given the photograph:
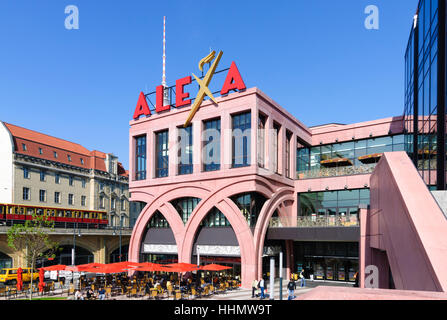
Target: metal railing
337 171
315 222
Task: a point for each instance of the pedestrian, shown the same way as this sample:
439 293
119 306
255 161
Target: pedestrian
254 287
356 278
291 289
303 279
262 287
311 274
102 294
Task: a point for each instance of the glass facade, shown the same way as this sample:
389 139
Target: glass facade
185 165
310 159
423 70
250 205
185 206
140 169
215 218
334 261
211 145
332 204
241 125
162 158
158 221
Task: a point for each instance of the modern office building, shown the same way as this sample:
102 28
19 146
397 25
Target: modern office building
42 174
240 179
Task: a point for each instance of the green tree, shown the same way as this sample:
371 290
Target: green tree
33 239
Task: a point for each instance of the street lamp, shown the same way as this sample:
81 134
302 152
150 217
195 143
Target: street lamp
114 233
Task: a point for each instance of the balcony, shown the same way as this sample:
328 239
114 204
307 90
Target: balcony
316 222
324 172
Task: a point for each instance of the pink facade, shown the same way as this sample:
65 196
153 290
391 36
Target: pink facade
215 189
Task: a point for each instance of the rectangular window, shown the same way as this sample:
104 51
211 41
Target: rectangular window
162 155
101 202
57 197
42 175
261 140
57 178
275 141
42 195
83 199
82 161
83 183
241 138
70 180
185 165
23 147
25 173
68 158
288 159
55 154
211 145
113 203
70 199
40 151
26 193
123 204
140 157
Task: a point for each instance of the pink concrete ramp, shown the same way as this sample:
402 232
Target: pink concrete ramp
404 233
342 293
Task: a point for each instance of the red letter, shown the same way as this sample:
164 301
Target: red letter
142 107
233 81
180 95
159 100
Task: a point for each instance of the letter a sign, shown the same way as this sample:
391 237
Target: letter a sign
142 107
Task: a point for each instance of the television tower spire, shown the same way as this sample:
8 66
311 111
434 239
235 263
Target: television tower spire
163 80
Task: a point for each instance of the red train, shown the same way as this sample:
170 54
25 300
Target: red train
19 212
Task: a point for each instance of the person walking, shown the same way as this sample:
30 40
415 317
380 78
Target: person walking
262 287
254 287
291 289
356 279
303 279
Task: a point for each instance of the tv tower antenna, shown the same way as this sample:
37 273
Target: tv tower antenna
163 80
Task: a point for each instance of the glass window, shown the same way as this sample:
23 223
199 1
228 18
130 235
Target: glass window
42 195
26 193
185 206
162 156
25 173
57 197
380 145
42 175
140 157
70 199
241 125
185 165
211 145
70 180
261 140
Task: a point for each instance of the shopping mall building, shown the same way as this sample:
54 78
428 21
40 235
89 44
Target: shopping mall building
237 179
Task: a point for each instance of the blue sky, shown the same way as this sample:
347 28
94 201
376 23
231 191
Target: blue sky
315 58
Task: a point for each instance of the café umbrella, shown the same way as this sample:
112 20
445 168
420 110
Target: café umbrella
19 279
56 267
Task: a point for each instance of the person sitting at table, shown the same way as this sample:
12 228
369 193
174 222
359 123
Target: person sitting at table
102 294
78 295
90 294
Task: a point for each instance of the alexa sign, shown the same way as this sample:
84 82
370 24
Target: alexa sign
233 81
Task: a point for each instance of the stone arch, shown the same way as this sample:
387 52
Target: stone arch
168 212
284 194
240 228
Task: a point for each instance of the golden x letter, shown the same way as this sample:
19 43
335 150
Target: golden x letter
204 90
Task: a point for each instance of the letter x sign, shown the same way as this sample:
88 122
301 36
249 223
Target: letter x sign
204 90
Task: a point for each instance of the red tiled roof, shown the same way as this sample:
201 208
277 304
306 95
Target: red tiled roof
43 146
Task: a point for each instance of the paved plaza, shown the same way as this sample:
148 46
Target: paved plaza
239 294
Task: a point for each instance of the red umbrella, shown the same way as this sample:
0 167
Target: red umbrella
57 267
181 267
19 279
214 267
81 267
41 279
